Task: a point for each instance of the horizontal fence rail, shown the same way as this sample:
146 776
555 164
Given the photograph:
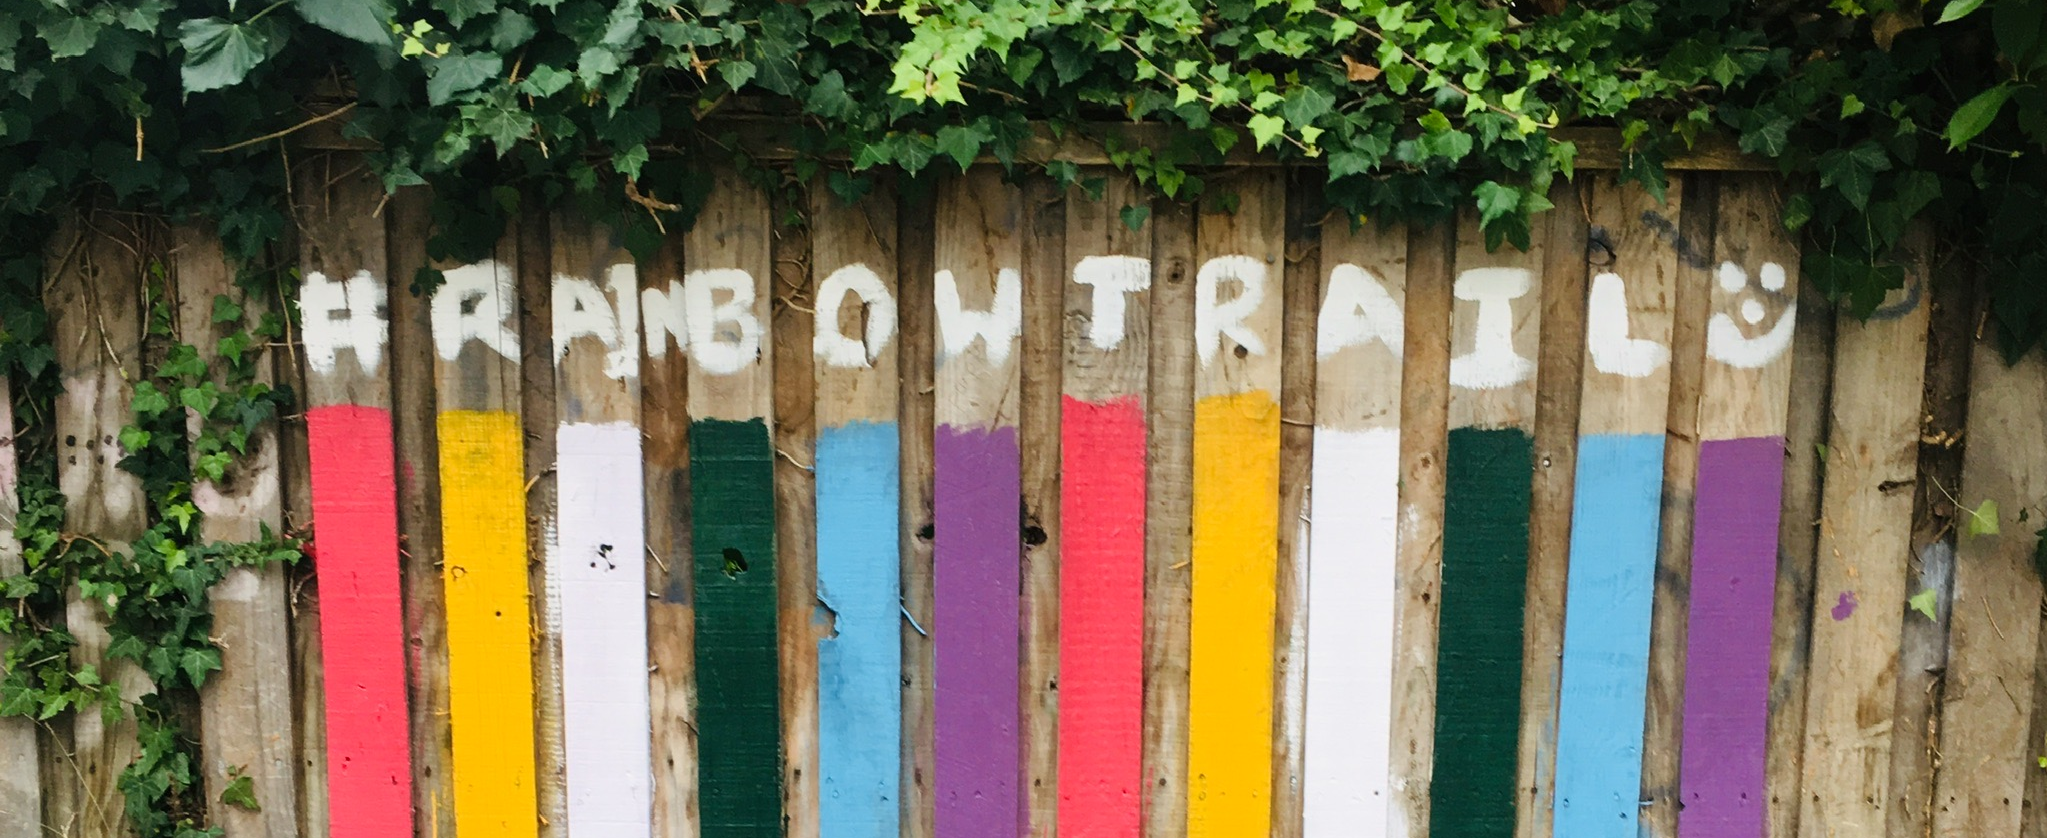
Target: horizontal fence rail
998 509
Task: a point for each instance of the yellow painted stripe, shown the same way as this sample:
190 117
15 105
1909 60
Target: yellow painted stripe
490 663
1236 564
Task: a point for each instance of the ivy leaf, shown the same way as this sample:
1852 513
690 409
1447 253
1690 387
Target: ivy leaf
1975 115
225 310
545 81
1982 519
1957 10
368 21
511 30
1306 105
460 11
459 73
1495 201
240 792
962 143
218 53
1135 215
1265 128
198 662
1924 602
70 37
828 98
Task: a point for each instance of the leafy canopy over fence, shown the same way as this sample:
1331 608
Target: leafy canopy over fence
1878 112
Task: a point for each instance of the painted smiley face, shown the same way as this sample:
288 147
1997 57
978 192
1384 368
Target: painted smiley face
1741 338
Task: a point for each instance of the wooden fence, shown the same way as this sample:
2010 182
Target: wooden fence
974 511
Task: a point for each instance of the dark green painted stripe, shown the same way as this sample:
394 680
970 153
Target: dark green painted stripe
732 498
1478 661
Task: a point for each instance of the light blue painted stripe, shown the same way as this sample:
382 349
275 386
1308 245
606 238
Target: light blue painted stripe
1607 607
860 664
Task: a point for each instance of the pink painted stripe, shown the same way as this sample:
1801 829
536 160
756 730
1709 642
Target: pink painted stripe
362 637
1101 618
977 562
1727 649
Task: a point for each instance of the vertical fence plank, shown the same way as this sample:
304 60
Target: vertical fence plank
671 614
978 297
1239 295
1106 273
1922 658
1616 512
1559 362
1354 549
1988 736
95 304
595 564
419 519
1168 517
1302 284
859 487
245 708
1865 544
916 250
355 668
796 548
1044 274
21 796
484 546
1424 444
1691 235
532 279
1489 480
728 259
1743 397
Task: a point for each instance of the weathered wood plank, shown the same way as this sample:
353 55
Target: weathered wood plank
1737 502
419 521
1988 734
1353 587
728 258
1621 418
803 625
915 237
671 612
595 565
245 708
1301 283
1039 443
95 302
1424 420
1239 301
355 665
1168 518
978 295
1489 481
21 796
854 351
1106 272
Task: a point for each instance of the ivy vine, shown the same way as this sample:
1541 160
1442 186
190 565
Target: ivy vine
1879 113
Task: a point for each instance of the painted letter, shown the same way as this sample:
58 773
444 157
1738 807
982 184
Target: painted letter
1725 341
474 305
1113 278
831 345
722 352
343 315
666 317
1492 364
582 310
1606 333
1357 311
1214 318
999 326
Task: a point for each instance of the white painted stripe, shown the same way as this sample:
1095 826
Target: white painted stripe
1353 545
600 572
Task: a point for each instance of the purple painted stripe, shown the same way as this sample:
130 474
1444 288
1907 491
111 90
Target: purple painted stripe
977 554
1727 650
